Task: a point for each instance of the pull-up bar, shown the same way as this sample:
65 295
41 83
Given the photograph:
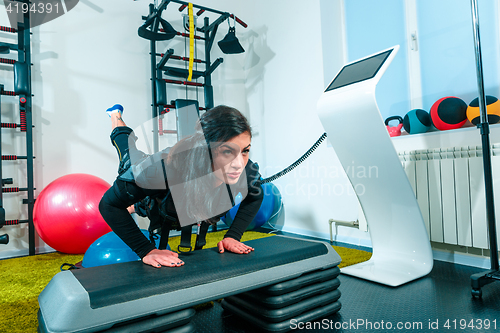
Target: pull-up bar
14 189
202 9
12 222
7 93
187 35
186 83
238 20
14 125
7 61
170 55
10 125
7 29
13 157
181 58
184 34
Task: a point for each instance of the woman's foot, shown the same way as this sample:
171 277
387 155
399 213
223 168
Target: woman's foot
115 113
117 108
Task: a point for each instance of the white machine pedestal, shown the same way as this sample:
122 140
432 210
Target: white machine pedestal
349 113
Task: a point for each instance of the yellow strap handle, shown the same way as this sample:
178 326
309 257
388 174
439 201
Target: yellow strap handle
191 41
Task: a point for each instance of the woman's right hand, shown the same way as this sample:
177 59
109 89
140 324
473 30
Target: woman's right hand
158 258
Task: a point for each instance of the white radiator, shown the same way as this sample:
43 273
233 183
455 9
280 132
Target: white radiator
449 187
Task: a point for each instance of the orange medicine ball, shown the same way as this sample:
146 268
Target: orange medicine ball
492 109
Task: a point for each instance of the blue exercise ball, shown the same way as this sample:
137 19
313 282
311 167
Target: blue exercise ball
417 121
110 249
270 205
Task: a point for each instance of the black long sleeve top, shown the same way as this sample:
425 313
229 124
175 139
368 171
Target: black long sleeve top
247 211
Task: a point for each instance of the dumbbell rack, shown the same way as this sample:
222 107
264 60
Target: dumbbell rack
23 48
158 84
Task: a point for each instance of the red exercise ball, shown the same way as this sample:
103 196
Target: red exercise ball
449 113
66 213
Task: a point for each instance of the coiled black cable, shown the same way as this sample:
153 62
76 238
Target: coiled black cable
296 163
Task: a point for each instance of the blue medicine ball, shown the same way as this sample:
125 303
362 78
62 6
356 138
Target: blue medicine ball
110 249
270 205
417 121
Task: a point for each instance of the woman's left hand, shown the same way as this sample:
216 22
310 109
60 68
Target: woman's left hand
234 246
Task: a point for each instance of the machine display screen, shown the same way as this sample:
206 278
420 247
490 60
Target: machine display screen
359 71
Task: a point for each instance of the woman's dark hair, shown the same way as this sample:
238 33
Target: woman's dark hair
222 123
193 161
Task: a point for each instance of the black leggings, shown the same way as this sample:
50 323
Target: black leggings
122 194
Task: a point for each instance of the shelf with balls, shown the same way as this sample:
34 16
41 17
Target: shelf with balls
449 113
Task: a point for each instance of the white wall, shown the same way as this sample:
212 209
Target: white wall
92 58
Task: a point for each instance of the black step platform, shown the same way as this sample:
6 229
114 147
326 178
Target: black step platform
312 296
301 282
286 325
112 298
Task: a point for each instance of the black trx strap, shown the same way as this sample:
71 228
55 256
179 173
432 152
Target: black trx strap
185 239
167 222
230 194
201 236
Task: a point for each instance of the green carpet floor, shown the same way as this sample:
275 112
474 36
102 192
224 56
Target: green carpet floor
24 278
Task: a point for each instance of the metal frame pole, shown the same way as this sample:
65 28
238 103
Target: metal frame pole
24 55
29 132
478 280
154 105
2 210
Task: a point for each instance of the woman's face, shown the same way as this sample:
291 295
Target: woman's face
230 159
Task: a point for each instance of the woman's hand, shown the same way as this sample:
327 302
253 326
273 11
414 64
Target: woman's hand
158 258
234 246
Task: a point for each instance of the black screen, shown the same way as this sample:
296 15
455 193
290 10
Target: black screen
359 71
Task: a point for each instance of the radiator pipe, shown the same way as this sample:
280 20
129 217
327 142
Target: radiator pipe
480 279
350 224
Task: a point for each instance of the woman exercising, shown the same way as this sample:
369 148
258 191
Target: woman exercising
196 180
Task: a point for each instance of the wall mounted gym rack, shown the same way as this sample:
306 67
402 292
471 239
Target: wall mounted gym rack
158 68
22 88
